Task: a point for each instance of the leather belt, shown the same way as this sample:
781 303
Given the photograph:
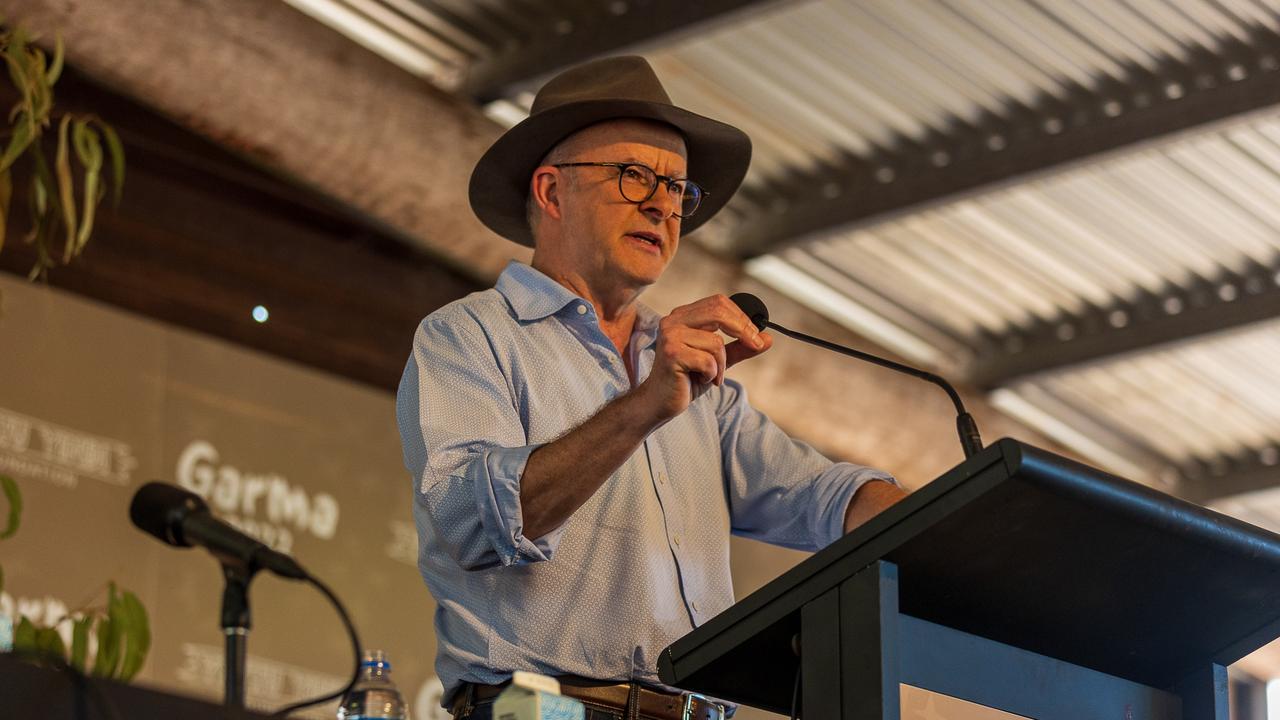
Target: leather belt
649 702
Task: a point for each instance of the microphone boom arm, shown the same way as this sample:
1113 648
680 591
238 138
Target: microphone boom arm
966 426
970 440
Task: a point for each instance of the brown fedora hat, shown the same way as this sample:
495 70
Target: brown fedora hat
608 89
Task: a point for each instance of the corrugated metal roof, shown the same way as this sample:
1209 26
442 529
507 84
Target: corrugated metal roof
1145 221
826 78
1187 405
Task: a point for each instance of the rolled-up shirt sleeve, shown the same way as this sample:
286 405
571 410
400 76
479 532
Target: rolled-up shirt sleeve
781 490
466 446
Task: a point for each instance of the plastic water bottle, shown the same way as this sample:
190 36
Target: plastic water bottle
373 695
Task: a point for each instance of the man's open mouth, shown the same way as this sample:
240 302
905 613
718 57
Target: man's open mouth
647 237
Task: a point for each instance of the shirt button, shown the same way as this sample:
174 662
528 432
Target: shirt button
695 606
676 540
662 478
582 309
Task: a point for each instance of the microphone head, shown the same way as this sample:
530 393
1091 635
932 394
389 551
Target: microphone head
159 510
753 307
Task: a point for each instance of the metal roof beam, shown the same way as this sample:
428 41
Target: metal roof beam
606 29
1225 477
1229 301
1017 144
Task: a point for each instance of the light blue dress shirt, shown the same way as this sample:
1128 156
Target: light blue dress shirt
501 372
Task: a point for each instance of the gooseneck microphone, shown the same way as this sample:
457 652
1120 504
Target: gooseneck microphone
970 440
180 518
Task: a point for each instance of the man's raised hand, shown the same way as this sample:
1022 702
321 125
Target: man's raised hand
691 355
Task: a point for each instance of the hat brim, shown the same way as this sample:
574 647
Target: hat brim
718 157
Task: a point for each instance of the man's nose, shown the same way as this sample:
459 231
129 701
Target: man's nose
661 204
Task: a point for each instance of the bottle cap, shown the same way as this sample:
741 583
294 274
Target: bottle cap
375 658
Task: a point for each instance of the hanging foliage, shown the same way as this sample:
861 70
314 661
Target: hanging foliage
62 199
116 635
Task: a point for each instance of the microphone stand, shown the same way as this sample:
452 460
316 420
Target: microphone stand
235 626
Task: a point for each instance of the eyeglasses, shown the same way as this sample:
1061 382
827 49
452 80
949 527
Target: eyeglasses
637 184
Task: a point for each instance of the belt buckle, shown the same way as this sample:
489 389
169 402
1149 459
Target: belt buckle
687 713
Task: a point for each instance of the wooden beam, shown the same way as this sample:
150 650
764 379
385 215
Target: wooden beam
202 237
290 93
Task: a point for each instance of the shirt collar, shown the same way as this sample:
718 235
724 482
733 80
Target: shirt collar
645 331
534 296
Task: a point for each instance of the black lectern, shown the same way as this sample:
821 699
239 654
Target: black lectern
1019 580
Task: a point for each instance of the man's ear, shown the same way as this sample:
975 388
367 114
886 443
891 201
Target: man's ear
545 191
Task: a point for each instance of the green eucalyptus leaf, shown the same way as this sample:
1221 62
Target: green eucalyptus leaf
104 660
24 636
45 236
18 142
33 128
37 206
79 130
17 76
119 615
80 642
66 195
55 70
35 97
89 150
108 656
39 198
16 39
49 643
15 55
137 636
14 498
18 59
45 176
115 152
42 94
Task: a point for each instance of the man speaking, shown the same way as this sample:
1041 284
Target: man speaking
579 460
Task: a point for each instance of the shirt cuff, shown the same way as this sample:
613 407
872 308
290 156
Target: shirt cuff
497 494
862 476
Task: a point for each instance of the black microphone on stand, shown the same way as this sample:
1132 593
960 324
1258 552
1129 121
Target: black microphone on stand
182 519
970 440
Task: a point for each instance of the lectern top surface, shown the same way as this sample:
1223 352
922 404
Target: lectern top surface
1036 551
